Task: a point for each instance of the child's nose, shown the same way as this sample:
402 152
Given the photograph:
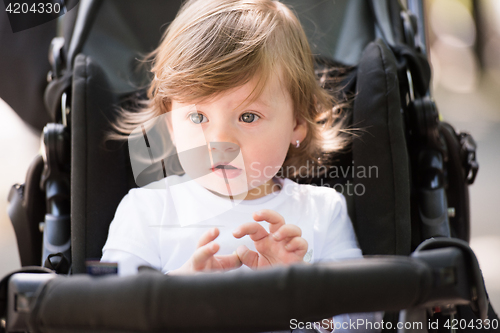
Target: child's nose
221 136
224 147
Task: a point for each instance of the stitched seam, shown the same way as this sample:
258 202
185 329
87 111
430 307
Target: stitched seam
390 145
86 157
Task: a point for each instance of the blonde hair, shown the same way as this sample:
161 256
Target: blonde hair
215 45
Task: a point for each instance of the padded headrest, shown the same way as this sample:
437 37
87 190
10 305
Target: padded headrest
382 213
100 170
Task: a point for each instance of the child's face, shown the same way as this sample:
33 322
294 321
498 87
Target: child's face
250 140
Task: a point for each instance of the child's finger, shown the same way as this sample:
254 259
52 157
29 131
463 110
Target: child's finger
203 254
286 231
271 216
297 244
248 257
207 237
229 261
253 229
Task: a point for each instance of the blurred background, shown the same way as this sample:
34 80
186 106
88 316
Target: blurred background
464 40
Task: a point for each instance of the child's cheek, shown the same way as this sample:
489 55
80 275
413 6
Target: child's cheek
264 167
264 154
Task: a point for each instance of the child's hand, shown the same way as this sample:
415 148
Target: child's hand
204 258
283 245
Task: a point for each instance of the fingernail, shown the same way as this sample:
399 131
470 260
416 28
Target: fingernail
276 236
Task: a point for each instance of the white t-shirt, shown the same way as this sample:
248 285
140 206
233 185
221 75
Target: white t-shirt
160 225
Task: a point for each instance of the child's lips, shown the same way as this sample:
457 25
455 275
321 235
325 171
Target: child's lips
226 170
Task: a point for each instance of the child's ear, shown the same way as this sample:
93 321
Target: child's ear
299 130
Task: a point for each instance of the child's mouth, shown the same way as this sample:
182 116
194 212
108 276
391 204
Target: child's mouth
225 170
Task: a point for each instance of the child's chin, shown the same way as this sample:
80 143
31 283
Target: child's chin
237 188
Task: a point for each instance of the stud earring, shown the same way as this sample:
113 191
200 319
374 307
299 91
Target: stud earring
298 144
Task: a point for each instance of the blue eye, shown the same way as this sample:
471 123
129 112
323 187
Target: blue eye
198 118
249 117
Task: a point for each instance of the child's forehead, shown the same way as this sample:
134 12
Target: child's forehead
254 92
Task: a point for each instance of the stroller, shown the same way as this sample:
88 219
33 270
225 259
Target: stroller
419 266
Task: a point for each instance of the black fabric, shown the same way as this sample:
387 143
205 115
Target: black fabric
141 24
395 8
99 171
26 210
407 57
457 191
24 66
53 93
81 31
475 279
68 24
417 63
4 283
382 219
152 302
58 263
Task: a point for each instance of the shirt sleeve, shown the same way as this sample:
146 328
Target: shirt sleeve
133 237
340 241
